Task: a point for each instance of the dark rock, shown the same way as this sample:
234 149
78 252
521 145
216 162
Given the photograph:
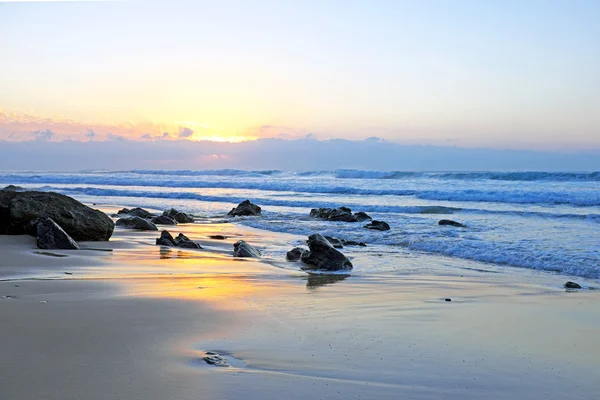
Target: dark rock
447 299
295 253
19 209
163 220
353 243
123 211
243 249
178 216
13 188
378 225
245 208
51 236
451 223
218 237
323 257
181 240
215 359
572 285
343 214
165 239
136 223
140 212
362 216
335 242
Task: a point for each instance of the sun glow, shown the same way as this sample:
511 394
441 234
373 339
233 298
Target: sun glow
223 138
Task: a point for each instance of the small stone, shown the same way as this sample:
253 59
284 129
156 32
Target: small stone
572 285
218 237
447 299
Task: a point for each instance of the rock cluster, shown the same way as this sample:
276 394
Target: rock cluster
343 214
136 223
178 216
166 239
245 208
138 218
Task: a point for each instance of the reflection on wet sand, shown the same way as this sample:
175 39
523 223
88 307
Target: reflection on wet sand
315 281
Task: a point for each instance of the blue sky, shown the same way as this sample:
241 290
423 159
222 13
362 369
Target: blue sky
498 74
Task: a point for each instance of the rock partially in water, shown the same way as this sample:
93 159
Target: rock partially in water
322 256
51 236
181 240
13 188
179 216
343 214
163 220
218 237
243 249
215 359
295 253
335 242
245 208
140 212
449 222
362 216
19 209
136 223
378 225
572 285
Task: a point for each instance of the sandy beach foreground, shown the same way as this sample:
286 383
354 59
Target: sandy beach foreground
129 320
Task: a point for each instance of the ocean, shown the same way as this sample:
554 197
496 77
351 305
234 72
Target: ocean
538 221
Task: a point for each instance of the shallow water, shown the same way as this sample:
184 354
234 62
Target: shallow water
531 220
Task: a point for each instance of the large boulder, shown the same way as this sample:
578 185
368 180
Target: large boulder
136 223
163 220
51 236
178 216
378 225
245 208
323 257
243 249
165 239
19 209
449 222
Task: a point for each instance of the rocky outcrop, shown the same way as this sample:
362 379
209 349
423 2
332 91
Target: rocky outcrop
19 209
179 216
243 249
181 240
163 220
136 212
13 188
323 257
378 225
451 223
343 214
572 285
136 223
51 236
295 253
245 208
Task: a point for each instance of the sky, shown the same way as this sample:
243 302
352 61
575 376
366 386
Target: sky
470 74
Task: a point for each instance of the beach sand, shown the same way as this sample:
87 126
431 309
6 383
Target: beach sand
131 320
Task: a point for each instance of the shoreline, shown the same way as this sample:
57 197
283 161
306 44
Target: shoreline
139 321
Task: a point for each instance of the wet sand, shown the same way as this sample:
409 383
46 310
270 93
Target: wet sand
135 322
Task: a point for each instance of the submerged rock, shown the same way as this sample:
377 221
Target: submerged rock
243 249
179 216
572 285
215 359
451 223
378 225
295 253
136 223
245 208
323 256
163 220
51 236
19 209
